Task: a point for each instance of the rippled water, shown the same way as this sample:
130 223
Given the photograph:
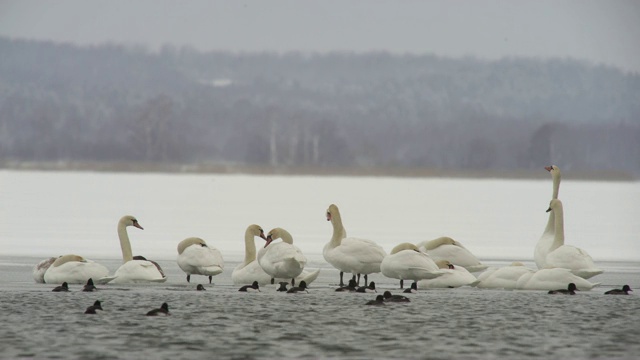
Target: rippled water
463 323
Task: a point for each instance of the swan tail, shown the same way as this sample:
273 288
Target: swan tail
587 273
105 280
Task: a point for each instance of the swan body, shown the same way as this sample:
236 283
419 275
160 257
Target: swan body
40 268
406 262
452 277
552 279
195 257
504 278
545 243
74 269
349 254
566 256
446 248
132 270
281 259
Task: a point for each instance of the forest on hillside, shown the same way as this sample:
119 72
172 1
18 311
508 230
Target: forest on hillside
60 102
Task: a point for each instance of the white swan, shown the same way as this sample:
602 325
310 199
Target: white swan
544 244
406 262
40 268
196 258
567 256
134 271
349 254
552 279
445 248
452 277
281 259
504 278
74 269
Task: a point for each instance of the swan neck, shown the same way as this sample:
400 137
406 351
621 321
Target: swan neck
286 236
125 244
558 239
556 185
249 248
339 232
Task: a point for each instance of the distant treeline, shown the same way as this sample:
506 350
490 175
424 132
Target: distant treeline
114 103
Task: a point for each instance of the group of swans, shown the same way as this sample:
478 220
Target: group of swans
429 263
75 269
274 263
558 264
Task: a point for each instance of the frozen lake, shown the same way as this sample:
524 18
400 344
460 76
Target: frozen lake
46 214
51 213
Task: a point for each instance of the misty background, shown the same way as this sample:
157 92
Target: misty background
475 85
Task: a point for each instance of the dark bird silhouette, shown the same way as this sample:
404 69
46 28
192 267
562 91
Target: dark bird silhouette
89 286
349 288
252 287
63 287
570 290
394 298
92 309
200 287
163 310
283 286
370 288
624 291
378 301
412 289
300 288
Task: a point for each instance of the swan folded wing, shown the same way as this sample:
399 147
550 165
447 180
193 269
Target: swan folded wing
248 273
366 251
202 256
573 258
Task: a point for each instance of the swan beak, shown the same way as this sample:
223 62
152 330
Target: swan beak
549 209
269 240
138 225
328 216
548 168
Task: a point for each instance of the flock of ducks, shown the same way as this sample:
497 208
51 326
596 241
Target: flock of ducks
442 262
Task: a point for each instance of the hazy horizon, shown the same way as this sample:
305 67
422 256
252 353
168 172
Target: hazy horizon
593 31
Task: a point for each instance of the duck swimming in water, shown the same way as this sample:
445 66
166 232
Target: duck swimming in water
283 286
300 288
624 291
250 288
89 286
570 290
370 288
349 288
200 287
413 289
378 301
163 310
61 288
92 309
394 298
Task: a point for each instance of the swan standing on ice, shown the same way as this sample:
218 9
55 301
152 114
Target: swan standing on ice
545 243
453 277
349 254
74 269
249 270
445 248
281 259
132 270
406 262
567 256
196 258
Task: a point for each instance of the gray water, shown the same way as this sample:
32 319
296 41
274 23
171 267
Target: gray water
462 323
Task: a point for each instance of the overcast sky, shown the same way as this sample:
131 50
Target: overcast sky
593 30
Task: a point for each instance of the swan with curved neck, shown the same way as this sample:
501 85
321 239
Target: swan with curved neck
349 254
545 243
566 256
406 262
504 278
195 257
73 269
249 270
133 270
282 259
453 276
446 248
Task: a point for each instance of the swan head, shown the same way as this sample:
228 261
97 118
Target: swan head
332 211
553 169
255 230
404 246
445 264
66 258
190 241
554 205
129 220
